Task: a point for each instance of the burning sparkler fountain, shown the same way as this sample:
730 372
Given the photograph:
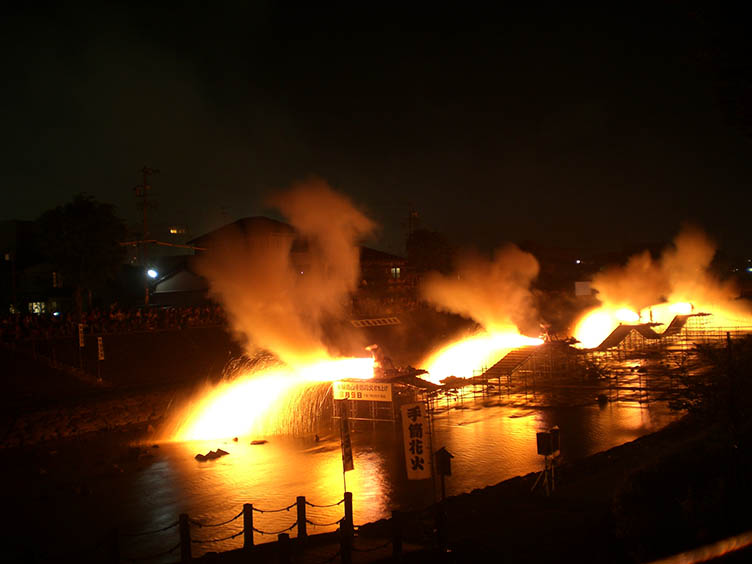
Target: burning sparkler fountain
277 297
645 290
278 286
494 293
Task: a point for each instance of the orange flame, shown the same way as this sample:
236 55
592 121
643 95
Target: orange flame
597 324
260 402
470 355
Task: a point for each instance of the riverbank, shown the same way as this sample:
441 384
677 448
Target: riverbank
650 498
654 496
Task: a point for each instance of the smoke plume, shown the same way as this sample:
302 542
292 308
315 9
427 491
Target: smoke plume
681 274
494 293
279 284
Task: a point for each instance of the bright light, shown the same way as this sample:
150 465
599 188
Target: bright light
578 261
151 273
56 314
470 355
261 402
681 308
626 315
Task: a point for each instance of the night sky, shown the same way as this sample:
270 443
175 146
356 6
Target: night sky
577 128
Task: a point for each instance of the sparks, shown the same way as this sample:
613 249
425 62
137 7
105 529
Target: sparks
260 402
471 355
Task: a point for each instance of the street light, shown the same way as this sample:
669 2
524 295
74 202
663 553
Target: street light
151 273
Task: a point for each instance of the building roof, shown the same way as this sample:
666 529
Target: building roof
372 256
248 226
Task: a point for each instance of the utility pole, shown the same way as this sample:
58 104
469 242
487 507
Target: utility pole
142 193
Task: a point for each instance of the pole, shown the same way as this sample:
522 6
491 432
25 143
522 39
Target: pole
247 525
349 512
302 529
142 192
430 450
283 541
345 545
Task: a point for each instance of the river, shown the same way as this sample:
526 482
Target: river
490 443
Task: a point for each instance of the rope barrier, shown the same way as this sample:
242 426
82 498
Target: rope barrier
291 527
198 541
275 510
325 524
200 524
373 548
151 532
153 556
340 502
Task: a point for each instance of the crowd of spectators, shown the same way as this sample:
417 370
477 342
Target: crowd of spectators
21 327
117 319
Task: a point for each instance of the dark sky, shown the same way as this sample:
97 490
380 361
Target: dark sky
574 128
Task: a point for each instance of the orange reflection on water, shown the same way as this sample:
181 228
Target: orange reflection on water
272 475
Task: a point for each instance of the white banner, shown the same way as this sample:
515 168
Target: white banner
361 391
417 441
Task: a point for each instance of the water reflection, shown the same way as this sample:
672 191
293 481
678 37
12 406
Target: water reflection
489 443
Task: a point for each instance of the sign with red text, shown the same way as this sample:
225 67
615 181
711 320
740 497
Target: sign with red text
417 444
361 391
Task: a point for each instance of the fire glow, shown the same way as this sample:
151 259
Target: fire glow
259 403
468 356
597 324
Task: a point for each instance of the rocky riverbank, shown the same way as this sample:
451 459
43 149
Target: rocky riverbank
109 414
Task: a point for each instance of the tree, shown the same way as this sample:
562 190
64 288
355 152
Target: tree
81 239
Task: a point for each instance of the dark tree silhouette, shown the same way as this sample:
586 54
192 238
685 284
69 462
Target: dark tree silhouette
81 239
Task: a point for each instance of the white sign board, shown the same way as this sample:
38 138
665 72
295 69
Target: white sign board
362 391
417 441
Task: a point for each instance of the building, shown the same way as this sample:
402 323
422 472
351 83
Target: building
383 275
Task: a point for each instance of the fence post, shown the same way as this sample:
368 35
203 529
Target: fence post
302 529
349 513
345 544
247 525
185 538
396 535
283 540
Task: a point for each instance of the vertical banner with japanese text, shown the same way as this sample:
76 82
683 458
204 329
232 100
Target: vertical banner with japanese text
415 434
100 348
344 433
